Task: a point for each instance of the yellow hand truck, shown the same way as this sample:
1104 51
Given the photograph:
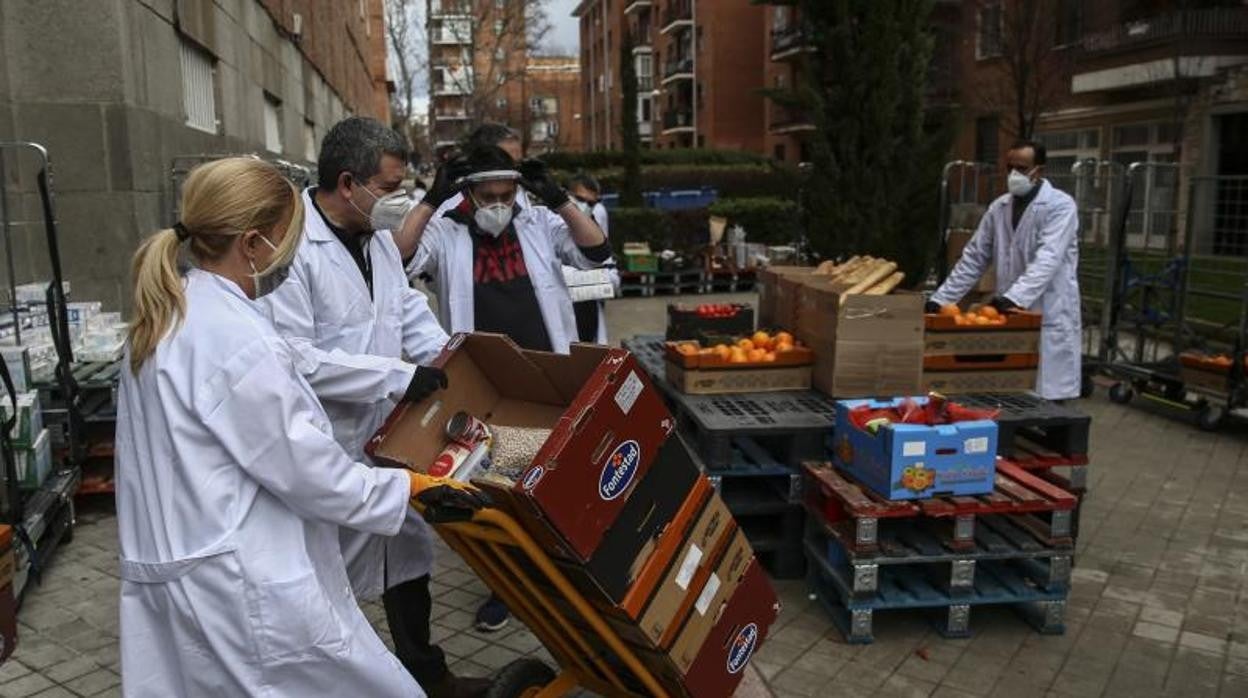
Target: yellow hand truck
513 566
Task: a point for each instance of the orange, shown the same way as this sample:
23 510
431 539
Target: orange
950 310
687 348
989 312
723 350
782 347
784 338
706 351
738 357
761 338
972 316
745 344
769 357
981 320
756 354
960 320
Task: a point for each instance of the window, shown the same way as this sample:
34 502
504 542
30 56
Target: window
198 88
987 145
498 27
780 22
778 152
1069 22
646 106
1137 134
988 38
501 103
272 123
309 141
645 72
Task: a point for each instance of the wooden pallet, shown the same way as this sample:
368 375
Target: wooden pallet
1042 507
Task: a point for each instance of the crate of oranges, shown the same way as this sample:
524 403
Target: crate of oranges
760 362
980 330
1206 372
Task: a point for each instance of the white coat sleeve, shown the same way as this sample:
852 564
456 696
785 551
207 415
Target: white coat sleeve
334 375
561 239
423 337
975 260
600 217
425 261
1054 240
272 428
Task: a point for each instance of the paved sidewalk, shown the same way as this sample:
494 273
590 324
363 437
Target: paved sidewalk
1158 607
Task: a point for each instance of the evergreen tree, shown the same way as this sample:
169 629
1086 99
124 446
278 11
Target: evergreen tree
630 192
876 153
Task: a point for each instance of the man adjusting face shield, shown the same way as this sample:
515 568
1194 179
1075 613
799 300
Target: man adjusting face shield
493 195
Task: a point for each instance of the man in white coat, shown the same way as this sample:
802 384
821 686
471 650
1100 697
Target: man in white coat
1031 235
348 308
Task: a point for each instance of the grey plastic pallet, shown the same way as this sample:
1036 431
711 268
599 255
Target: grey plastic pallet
1059 428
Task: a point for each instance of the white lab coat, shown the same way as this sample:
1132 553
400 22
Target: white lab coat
1036 268
445 254
354 347
230 495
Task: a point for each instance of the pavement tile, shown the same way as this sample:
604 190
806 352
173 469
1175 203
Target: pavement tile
1154 631
12 669
93 683
56 692
800 682
1160 616
1204 643
898 686
27 685
72 669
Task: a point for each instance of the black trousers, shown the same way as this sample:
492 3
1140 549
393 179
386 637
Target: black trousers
408 607
586 320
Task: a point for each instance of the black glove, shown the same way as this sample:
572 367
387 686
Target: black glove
445 182
448 504
1003 304
425 382
536 178
931 307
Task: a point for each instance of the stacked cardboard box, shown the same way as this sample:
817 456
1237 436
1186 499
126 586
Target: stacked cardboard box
8 601
613 495
981 358
864 345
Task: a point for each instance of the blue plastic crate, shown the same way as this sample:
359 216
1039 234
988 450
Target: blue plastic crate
914 461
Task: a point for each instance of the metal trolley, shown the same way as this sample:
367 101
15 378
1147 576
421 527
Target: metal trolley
1180 284
589 652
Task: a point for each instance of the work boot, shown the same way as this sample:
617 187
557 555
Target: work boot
452 686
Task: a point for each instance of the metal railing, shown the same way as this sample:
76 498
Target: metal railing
677 118
679 66
678 10
1230 22
791 37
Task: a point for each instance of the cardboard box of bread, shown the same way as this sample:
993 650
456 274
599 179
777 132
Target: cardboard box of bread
866 333
581 452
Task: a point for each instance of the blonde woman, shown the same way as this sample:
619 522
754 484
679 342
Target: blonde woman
230 487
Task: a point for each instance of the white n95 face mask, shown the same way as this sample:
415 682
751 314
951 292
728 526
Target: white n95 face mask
493 218
1019 184
390 210
273 276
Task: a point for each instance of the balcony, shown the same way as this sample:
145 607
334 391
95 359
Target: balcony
449 115
787 42
450 8
679 14
677 121
637 6
1159 49
451 32
787 121
679 69
641 39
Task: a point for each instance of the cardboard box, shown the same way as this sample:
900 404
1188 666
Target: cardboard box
864 345
710 589
737 380
739 626
916 461
607 424
953 382
771 312
981 342
1211 381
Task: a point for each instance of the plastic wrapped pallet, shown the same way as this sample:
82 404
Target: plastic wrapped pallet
29 422
34 463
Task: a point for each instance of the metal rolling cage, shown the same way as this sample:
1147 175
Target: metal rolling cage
966 189
301 175
1181 285
42 517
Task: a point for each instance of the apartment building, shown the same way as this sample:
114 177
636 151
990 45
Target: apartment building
789 45
552 86
478 54
698 70
120 91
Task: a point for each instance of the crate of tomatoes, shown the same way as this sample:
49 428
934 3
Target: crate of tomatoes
760 362
705 320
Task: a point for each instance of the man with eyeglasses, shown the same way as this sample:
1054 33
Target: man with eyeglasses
1031 235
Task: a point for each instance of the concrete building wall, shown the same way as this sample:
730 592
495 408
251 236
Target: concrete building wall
100 84
553 92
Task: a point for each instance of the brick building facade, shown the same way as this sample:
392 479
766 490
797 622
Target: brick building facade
119 91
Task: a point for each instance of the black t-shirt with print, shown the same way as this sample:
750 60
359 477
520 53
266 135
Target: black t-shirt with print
503 297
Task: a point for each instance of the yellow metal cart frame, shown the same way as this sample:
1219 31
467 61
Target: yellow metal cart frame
494 544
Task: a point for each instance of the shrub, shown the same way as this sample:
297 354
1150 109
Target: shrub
639 225
770 221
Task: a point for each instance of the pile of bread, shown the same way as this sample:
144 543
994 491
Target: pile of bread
867 275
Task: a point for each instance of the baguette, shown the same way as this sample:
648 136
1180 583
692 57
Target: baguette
887 285
875 276
825 268
864 271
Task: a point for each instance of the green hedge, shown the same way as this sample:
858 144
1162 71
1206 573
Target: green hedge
730 181
766 220
601 159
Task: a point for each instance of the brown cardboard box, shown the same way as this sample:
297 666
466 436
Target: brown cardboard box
977 343
737 380
608 425
864 345
711 534
1014 381
777 304
709 591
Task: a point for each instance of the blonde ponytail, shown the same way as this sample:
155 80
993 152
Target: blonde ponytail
159 302
220 200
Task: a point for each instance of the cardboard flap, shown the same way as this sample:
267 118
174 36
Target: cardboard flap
511 369
568 374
